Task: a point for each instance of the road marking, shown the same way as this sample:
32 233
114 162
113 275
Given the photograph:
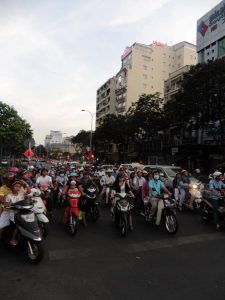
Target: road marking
174 242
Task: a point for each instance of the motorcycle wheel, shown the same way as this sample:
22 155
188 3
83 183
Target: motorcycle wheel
37 250
171 223
73 225
124 225
95 214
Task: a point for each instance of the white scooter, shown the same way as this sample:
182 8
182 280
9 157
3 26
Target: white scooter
40 211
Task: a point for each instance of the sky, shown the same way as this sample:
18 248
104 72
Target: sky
55 54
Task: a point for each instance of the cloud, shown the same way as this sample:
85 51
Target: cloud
55 54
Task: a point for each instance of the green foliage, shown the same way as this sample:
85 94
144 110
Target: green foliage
113 129
83 137
202 96
147 114
13 130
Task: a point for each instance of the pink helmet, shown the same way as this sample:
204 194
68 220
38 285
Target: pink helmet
14 170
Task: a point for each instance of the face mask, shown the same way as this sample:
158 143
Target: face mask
156 177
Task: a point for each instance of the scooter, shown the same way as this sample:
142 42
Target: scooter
195 191
121 212
207 211
92 203
72 213
40 211
28 232
46 196
168 216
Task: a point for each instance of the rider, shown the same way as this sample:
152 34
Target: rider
84 184
156 187
121 186
5 189
215 186
106 181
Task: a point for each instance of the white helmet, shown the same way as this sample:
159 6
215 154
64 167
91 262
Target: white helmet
217 173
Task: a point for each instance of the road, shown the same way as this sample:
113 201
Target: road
99 264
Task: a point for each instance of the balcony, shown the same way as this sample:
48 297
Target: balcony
120 100
120 91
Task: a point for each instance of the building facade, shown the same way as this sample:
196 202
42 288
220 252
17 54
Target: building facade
145 68
55 137
173 83
105 101
211 34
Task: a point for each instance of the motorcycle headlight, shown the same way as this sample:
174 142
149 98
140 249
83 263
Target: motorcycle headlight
28 217
194 186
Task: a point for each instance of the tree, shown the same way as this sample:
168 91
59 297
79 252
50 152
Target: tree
146 114
83 137
13 130
40 150
201 101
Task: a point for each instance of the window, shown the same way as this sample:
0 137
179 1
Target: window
221 47
145 67
145 76
144 85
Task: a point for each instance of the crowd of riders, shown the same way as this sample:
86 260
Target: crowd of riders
62 181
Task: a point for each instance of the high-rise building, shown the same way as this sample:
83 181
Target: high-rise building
55 137
145 68
106 98
211 34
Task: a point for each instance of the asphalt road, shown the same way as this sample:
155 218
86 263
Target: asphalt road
99 264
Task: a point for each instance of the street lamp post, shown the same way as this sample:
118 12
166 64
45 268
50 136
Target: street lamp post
92 115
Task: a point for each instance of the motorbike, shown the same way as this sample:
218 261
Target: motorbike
121 212
92 203
46 196
71 214
108 191
60 198
168 217
207 211
40 211
28 232
195 191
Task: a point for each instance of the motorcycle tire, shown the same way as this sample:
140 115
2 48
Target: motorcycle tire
38 252
170 223
124 225
95 214
73 225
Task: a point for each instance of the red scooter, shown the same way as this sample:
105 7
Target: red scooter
71 214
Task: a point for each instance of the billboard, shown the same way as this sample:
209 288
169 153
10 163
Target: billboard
211 27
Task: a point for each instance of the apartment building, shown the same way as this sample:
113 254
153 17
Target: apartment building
211 34
145 68
105 102
55 137
173 83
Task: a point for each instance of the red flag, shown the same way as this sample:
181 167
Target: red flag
28 153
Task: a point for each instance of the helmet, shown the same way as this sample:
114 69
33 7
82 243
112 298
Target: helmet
9 176
31 168
14 170
217 173
73 174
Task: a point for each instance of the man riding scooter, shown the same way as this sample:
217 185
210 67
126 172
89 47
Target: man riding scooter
156 187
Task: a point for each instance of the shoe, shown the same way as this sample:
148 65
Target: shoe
131 227
217 226
13 243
